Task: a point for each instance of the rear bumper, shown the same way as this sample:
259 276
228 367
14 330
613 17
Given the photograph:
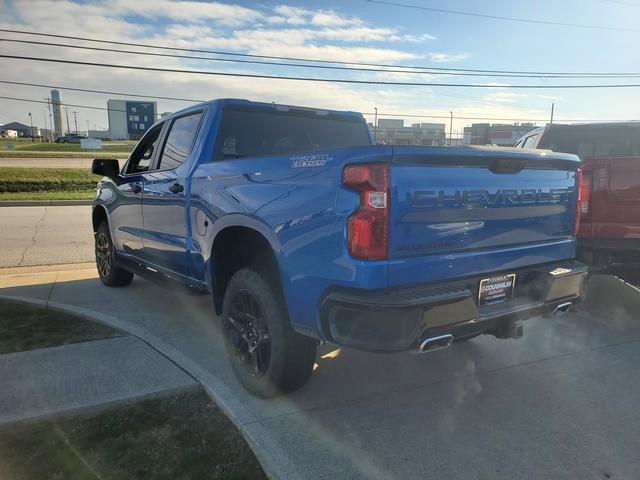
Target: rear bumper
398 319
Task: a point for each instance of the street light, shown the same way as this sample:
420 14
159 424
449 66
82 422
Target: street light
31 122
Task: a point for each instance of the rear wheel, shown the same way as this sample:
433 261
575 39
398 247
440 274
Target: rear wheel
267 355
110 274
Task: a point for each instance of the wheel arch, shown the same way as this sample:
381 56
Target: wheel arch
99 215
240 245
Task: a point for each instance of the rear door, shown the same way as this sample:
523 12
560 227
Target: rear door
450 201
164 201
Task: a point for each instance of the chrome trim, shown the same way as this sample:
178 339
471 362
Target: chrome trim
424 346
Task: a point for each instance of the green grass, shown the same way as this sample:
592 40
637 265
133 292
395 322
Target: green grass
85 154
26 148
183 436
49 180
25 327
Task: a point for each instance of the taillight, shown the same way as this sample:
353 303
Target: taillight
368 227
585 197
579 191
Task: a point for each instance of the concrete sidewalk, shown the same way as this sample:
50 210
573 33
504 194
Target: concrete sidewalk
559 403
68 378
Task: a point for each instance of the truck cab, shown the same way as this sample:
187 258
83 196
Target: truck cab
610 207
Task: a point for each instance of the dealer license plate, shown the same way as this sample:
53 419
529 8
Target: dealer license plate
496 289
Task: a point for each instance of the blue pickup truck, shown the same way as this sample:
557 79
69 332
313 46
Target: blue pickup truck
304 232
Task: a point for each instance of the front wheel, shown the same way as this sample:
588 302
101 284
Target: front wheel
266 354
110 274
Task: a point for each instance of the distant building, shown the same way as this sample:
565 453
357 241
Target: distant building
504 135
57 113
128 119
22 129
391 131
8 133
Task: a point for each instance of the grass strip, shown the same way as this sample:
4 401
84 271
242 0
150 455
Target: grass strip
14 179
25 327
182 436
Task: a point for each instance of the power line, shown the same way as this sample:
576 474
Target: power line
179 99
329 67
511 119
316 79
30 100
300 59
407 115
105 92
508 19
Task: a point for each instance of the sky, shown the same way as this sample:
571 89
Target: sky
348 30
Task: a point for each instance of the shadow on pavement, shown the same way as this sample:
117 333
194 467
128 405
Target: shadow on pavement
560 403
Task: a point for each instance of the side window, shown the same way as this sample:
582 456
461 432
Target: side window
141 157
530 142
180 141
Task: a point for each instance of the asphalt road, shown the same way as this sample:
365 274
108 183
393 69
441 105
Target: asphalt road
45 235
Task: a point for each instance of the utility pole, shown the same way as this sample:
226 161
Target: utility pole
66 113
50 118
75 118
87 128
450 127
44 115
375 124
31 122
552 106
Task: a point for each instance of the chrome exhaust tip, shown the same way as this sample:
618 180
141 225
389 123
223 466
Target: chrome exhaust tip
562 308
435 343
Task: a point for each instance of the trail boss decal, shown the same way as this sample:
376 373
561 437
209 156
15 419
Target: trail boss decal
308 161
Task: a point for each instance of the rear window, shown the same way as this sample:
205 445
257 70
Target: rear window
258 132
594 141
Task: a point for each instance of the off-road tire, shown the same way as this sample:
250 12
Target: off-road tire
110 273
291 355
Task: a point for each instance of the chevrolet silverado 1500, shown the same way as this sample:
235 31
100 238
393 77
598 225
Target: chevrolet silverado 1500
304 231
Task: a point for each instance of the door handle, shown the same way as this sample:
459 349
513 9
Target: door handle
176 188
135 188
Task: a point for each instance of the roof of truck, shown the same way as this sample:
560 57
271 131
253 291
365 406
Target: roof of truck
221 102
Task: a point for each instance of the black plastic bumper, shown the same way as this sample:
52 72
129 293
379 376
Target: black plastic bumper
398 319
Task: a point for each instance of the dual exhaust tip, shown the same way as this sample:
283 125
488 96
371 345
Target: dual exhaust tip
435 343
509 330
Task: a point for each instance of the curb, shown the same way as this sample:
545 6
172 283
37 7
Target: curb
43 203
273 460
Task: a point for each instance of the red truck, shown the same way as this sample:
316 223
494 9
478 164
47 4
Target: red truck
610 204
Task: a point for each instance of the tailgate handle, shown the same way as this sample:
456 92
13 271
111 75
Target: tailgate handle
506 165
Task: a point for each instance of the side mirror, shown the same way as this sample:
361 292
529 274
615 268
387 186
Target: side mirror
107 167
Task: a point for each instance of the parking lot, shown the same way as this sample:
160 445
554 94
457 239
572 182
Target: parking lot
559 403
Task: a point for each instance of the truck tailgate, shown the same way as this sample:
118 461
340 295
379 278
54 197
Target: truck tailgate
447 203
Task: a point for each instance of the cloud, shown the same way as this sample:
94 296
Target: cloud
447 57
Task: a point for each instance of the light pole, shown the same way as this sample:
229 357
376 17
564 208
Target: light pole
66 114
450 127
31 122
375 124
75 118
